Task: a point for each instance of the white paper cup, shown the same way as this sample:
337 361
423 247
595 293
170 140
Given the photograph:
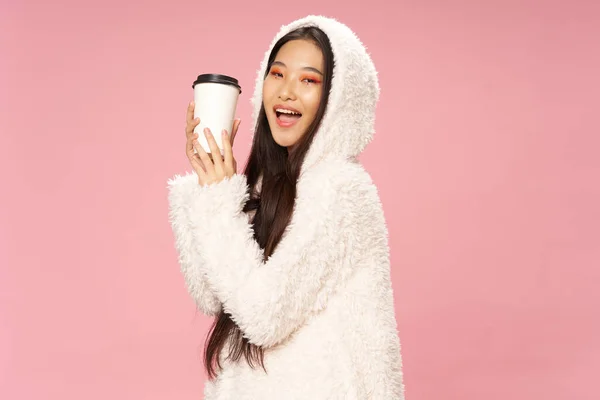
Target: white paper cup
215 98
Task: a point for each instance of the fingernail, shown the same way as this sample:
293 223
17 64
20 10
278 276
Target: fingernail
206 131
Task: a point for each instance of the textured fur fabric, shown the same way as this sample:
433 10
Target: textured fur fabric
322 304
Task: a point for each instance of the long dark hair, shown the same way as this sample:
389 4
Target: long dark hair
273 204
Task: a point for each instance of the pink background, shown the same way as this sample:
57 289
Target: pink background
487 160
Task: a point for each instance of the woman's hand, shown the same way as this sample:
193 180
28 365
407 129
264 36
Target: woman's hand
210 170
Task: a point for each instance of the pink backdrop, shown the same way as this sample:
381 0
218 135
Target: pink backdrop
486 158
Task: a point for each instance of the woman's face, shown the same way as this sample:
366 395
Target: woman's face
292 90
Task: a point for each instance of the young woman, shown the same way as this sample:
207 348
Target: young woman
291 257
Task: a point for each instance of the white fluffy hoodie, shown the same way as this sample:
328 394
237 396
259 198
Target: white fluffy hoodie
322 304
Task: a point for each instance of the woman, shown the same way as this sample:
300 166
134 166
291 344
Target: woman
291 257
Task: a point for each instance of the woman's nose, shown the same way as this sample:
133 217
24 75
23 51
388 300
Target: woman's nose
287 91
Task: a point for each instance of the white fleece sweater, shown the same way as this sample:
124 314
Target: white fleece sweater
322 305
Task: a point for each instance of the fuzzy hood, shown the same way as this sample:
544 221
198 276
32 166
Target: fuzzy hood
349 121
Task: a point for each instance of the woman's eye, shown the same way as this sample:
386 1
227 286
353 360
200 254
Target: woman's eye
310 80
277 74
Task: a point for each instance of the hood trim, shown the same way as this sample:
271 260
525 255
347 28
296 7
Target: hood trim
348 125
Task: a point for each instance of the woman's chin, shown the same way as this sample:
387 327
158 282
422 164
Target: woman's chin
285 137
283 140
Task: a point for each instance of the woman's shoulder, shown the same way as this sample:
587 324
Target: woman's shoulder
339 173
336 179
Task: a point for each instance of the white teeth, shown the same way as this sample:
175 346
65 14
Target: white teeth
284 111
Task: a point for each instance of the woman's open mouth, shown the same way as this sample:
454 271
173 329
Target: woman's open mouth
286 117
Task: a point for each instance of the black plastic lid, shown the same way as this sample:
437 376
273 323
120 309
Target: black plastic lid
217 78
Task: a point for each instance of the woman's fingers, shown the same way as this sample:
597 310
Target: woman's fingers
189 144
214 149
190 126
196 162
194 158
190 112
207 163
228 154
236 125
198 167
210 167
190 121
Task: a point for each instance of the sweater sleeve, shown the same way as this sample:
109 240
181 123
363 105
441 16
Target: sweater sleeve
269 300
180 190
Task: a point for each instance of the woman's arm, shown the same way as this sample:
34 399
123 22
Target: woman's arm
179 217
270 300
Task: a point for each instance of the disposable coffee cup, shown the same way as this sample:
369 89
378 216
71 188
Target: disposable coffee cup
216 98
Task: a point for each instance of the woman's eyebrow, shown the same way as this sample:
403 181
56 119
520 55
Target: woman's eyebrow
312 69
